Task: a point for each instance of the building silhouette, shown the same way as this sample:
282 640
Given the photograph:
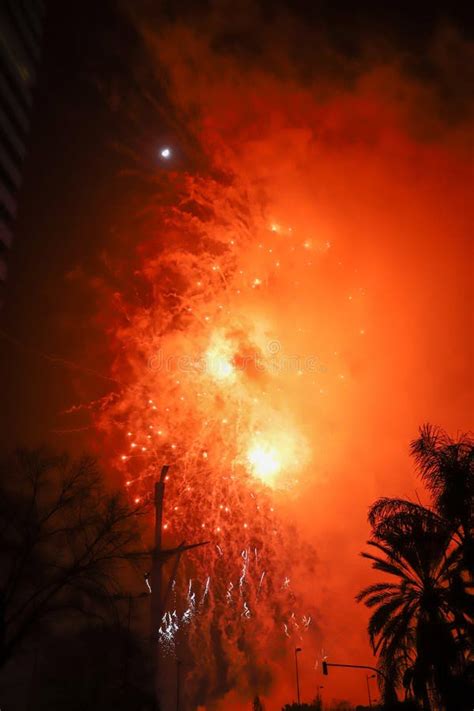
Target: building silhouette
20 44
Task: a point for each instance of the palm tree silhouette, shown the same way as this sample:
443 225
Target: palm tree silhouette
421 626
446 467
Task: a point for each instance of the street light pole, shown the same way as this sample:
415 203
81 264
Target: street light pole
158 599
367 677
156 581
178 681
297 649
319 697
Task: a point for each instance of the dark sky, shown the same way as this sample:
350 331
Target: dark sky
68 205
100 113
87 108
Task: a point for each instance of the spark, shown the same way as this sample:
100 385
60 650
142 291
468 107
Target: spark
187 616
206 589
244 555
147 581
168 629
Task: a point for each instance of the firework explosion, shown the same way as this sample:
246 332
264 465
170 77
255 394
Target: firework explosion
281 278
209 377
226 352
254 347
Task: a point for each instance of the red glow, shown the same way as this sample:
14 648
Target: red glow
278 363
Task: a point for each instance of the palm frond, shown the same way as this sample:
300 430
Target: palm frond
393 564
383 615
376 588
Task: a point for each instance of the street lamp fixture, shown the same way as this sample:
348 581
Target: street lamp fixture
367 677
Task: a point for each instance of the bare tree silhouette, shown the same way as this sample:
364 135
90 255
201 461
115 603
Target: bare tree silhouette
65 542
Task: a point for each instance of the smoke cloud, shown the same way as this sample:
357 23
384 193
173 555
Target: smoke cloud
323 166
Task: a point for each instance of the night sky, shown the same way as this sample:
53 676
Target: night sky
73 196
120 80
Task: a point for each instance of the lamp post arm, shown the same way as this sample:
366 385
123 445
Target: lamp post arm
358 666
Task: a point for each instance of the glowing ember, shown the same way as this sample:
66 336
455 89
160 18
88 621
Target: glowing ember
264 461
218 358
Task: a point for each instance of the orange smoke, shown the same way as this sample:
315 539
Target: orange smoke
305 311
